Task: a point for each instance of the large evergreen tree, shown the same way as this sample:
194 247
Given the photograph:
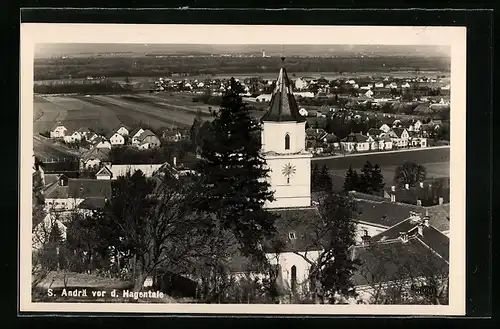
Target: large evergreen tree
326 180
377 179
315 178
365 182
195 130
233 172
351 182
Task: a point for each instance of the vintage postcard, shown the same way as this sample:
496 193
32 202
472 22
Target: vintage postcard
239 169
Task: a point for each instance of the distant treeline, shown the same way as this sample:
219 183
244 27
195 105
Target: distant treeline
62 68
82 88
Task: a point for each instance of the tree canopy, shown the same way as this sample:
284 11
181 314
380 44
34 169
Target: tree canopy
235 185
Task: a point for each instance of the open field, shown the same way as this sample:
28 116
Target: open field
108 111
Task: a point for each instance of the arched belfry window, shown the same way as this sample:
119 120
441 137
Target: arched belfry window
287 141
294 278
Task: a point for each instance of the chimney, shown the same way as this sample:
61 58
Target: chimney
393 188
420 228
426 221
419 203
441 200
407 186
421 184
403 236
174 161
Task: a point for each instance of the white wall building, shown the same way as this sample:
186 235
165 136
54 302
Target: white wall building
284 148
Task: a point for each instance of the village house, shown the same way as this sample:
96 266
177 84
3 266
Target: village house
91 137
116 139
72 137
301 84
399 137
122 130
375 214
135 133
303 112
84 132
101 143
67 193
411 257
146 140
355 142
58 130
385 128
264 98
93 158
104 173
118 170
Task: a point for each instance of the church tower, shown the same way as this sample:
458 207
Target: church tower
284 148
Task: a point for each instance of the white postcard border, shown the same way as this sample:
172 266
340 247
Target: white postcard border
32 33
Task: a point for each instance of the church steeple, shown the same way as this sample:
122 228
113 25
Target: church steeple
283 106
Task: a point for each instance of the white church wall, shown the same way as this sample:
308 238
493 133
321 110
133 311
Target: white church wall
288 259
273 136
296 192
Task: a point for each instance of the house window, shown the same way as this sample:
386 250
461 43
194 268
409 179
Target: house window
292 236
287 142
294 279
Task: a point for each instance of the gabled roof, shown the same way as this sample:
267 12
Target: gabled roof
383 213
431 237
331 138
423 108
85 188
283 106
145 134
355 138
398 131
93 203
111 134
58 124
95 153
104 171
56 191
120 126
135 131
395 260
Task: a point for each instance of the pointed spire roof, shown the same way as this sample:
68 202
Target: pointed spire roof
283 107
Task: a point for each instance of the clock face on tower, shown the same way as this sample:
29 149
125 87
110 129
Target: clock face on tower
287 171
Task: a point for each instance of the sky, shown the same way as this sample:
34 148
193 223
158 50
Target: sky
56 50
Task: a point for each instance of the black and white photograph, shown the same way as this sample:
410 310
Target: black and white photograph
242 169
